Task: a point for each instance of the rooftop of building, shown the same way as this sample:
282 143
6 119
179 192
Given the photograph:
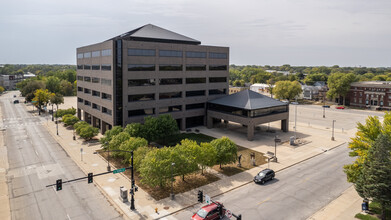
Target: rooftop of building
152 33
374 84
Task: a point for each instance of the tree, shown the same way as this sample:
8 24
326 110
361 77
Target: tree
56 99
41 97
30 87
374 180
139 155
207 156
66 88
1 89
88 132
312 78
339 84
135 130
287 89
70 120
132 144
53 84
117 140
109 134
226 150
185 156
260 77
79 125
155 168
270 83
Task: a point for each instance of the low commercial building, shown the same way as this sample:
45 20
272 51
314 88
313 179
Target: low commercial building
370 94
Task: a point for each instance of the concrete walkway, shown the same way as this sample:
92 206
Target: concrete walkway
5 212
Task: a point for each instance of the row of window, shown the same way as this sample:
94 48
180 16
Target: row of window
172 95
174 67
175 53
95 106
104 67
174 81
94 80
94 93
97 53
373 89
167 109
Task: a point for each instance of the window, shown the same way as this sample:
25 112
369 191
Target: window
87 67
87 55
95 93
88 91
195 80
87 103
95 80
217 79
195 67
141 52
195 106
218 67
354 100
87 79
140 112
174 108
95 67
95 106
80 100
106 67
192 54
106 53
172 67
141 82
80 89
217 55
106 111
217 91
173 81
96 53
79 56
170 95
195 93
141 67
79 78
105 82
79 67
106 96
141 97
170 53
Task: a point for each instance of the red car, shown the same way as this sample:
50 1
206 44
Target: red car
208 212
340 107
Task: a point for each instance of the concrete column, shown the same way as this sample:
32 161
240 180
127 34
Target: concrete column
183 124
85 116
79 113
250 132
104 126
209 122
93 121
284 125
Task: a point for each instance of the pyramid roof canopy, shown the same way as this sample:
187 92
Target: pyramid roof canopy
154 33
248 100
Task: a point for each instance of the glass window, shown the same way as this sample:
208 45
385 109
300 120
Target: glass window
79 56
217 55
195 106
217 91
170 95
195 80
80 89
95 93
140 112
217 79
170 53
195 93
96 53
195 67
193 54
79 67
87 67
106 96
141 97
174 108
88 91
141 52
141 82
95 67
87 103
106 67
95 106
87 79
170 81
105 82
106 111
79 78
80 100
95 80
218 67
106 52
87 55
141 67
172 67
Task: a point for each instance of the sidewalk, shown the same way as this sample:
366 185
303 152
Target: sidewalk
4 198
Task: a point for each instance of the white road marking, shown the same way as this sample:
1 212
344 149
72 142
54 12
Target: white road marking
36 153
68 217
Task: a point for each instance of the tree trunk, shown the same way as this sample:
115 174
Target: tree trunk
183 178
383 211
343 100
220 166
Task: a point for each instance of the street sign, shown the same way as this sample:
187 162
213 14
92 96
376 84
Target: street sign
119 170
33 101
228 213
207 199
277 140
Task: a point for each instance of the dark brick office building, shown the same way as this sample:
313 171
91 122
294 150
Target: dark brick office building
370 94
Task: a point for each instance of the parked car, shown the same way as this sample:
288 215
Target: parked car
340 107
264 175
208 212
326 106
14 96
16 101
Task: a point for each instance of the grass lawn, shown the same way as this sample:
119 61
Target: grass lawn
176 139
374 212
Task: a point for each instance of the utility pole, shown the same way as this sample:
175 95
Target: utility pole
172 182
332 137
132 194
324 107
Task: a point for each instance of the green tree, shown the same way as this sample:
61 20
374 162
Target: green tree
66 88
88 132
226 150
56 99
70 120
139 155
287 89
374 180
53 84
339 85
185 156
158 128
79 125
117 140
1 89
207 156
42 98
260 77
312 78
30 87
135 130
109 134
155 168
131 145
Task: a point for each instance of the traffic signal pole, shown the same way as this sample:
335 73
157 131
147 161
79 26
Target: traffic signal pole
132 190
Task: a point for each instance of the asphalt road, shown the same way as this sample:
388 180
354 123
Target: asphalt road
36 160
296 192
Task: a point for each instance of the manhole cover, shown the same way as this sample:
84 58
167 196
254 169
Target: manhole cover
166 207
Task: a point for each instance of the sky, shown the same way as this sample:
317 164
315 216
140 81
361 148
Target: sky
258 32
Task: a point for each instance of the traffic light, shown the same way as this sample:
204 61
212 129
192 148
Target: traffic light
220 210
239 217
59 184
135 188
90 177
200 196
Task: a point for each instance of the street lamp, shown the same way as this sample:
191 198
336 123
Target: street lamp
324 106
332 137
172 182
52 112
74 136
295 103
276 140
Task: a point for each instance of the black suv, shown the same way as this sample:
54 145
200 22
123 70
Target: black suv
264 175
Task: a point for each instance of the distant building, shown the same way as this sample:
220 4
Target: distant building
277 71
370 94
261 88
8 82
235 89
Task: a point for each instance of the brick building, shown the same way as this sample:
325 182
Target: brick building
370 94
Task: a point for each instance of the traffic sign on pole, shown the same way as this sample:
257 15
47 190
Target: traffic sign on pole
119 170
228 213
207 199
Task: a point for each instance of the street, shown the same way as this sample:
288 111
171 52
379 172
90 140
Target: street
36 160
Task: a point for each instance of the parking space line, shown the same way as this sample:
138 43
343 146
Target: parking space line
268 198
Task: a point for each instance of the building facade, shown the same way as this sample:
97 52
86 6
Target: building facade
147 72
370 94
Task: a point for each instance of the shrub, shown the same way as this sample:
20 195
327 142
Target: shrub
61 112
87 132
80 125
70 120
